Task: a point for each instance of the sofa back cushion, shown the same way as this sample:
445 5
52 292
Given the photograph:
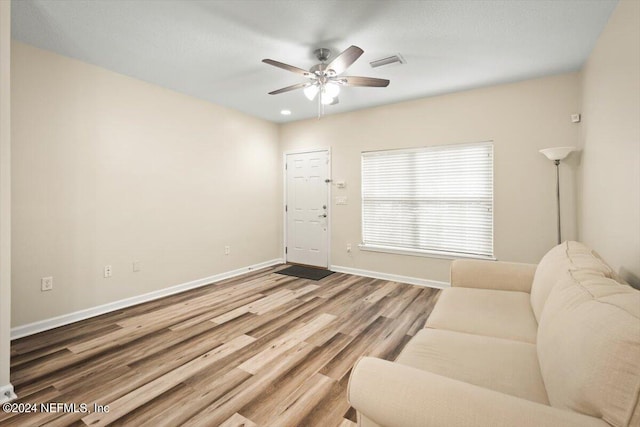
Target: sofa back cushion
566 256
589 347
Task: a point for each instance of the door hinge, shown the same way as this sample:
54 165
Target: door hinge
286 250
286 166
286 208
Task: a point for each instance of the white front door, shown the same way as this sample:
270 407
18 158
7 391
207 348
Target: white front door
307 180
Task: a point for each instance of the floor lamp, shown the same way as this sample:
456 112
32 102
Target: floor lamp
556 154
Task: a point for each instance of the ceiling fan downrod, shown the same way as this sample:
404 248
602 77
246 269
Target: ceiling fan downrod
322 54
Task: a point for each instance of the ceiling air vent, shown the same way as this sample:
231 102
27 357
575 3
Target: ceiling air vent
387 61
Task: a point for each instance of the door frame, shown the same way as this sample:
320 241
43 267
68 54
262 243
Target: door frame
284 198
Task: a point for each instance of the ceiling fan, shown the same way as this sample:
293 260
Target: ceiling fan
325 79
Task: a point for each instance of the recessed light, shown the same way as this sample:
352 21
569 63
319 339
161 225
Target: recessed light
285 112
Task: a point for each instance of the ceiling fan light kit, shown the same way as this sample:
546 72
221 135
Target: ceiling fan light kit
328 92
324 78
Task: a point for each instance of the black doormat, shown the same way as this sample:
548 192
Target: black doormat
303 272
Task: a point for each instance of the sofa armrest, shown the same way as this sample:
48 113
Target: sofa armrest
395 395
499 275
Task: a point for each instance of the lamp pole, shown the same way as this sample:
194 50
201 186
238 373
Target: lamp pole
556 154
557 162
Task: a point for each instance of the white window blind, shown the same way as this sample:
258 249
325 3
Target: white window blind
431 200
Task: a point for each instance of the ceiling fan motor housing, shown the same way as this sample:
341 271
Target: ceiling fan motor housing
318 69
322 54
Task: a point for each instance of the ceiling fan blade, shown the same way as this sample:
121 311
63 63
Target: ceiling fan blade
287 67
364 81
289 88
345 59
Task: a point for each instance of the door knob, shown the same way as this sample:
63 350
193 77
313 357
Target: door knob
322 216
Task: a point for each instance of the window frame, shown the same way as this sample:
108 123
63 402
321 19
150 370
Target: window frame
431 253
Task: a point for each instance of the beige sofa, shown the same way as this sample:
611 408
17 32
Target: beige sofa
557 344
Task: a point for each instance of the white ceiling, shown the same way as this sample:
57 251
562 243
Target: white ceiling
213 49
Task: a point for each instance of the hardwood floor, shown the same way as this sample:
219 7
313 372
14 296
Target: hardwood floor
262 349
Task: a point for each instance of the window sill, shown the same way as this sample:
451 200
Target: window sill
422 253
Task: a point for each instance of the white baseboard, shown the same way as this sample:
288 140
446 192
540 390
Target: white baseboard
7 394
54 322
394 277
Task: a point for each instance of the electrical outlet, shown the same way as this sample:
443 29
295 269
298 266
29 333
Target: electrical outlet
136 266
46 283
227 250
107 271
348 247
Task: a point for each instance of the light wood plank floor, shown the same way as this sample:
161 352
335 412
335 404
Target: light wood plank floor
262 349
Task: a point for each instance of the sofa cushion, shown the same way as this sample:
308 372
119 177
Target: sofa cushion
589 347
506 366
501 314
566 256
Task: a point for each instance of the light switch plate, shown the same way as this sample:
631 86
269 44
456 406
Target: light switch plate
341 200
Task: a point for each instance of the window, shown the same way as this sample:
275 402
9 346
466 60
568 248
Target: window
435 200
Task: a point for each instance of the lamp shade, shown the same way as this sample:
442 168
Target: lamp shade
331 89
311 91
325 99
557 153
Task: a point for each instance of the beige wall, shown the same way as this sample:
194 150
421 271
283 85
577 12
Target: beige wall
108 170
5 192
610 196
520 118
111 170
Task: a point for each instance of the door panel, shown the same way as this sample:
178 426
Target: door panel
307 208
